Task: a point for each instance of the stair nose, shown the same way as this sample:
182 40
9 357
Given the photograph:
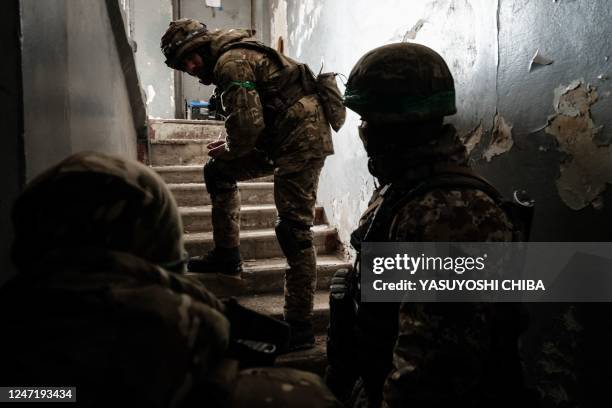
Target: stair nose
168 152
263 216
186 129
267 276
192 173
258 244
195 194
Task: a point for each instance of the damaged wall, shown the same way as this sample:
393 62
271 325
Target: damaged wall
504 97
74 90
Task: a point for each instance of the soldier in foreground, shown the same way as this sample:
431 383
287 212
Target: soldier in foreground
275 125
422 355
101 302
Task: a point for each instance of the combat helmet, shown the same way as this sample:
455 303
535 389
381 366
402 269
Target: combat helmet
181 37
401 83
91 200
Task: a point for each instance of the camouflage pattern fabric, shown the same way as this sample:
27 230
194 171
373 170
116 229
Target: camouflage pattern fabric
292 145
245 76
104 320
98 200
101 313
94 309
182 37
565 353
401 83
295 193
280 388
467 353
440 354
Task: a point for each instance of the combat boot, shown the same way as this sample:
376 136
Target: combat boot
302 335
226 261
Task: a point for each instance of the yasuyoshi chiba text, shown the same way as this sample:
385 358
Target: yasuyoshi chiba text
459 285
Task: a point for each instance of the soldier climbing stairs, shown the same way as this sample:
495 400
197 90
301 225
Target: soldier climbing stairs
177 151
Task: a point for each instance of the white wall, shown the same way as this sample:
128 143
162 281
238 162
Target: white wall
337 33
74 87
488 45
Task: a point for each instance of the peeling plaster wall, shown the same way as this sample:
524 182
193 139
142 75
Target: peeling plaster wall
151 18
503 106
74 90
575 35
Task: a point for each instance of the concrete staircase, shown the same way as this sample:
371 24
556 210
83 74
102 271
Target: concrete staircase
177 153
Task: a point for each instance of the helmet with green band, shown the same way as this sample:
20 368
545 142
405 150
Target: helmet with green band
182 37
401 83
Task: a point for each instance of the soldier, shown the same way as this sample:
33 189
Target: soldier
434 354
101 303
275 125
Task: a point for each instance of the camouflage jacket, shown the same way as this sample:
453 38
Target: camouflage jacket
248 77
116 327
443 353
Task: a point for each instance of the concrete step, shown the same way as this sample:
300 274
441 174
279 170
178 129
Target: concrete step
272 305
195 194
168 152
267 276
198 219
313 360
162 129
181 174
258 244
190 174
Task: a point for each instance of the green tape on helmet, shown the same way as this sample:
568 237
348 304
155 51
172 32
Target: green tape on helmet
441 102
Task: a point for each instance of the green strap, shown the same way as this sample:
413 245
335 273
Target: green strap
244 84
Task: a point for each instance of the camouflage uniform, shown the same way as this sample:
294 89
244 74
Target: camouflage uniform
275 125
291 145
464 354
565 351
100 302
421 354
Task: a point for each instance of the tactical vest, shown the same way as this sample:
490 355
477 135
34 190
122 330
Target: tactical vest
381 213
277 96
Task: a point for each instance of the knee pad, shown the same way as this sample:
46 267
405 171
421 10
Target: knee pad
215 181
293 237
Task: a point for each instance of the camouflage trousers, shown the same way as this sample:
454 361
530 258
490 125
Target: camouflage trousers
295 193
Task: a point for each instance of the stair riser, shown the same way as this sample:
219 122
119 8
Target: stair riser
170 154
184 176
249 220
193 176
262 282
193 197
163 131
264 247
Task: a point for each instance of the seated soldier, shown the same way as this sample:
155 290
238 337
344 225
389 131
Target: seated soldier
421 354
101 303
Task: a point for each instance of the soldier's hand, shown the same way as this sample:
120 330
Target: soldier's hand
214 144
217 151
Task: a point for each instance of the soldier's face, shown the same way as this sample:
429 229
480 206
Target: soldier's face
193 63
